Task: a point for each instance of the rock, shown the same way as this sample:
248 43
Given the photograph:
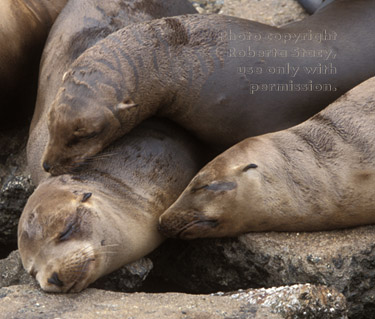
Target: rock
13 273
208 6
272 12
15 184
127 279
344 259
302 301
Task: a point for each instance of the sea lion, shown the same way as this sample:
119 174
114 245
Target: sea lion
223 78
77 228
24 26
316 176
93 21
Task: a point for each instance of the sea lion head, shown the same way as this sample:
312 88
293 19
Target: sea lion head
207 206
85 117
62 237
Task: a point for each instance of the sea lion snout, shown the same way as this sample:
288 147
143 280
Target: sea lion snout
71 273
55 280
185 225
46 166
59 169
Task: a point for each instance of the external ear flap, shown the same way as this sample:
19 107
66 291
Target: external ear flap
85 197
125 105
80 132
250 166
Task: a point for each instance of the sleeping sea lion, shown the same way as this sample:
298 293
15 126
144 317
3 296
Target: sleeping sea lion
316 176
93 21
77 228
222 78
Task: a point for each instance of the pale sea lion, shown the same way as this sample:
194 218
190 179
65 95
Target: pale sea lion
319 175
93 21
24 26
77 228
198 70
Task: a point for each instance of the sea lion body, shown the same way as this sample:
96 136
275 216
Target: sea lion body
201 72
80 25
24 26
316 176
77 228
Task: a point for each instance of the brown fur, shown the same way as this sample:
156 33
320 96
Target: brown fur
93 21
181 68
117 223
319 175
24 26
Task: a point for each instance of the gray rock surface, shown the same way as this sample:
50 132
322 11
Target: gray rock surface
208 6
343 259
12 271
15 183
304 301
271 12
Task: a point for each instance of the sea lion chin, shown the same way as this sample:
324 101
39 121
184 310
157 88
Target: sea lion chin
316 176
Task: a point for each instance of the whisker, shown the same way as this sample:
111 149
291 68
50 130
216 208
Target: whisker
111 245
105 155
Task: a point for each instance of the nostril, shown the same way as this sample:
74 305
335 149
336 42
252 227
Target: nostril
54 280
46 167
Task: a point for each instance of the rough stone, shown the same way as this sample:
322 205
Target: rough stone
303 301
208 6
129 278
12 271
344 259
271 12
15 184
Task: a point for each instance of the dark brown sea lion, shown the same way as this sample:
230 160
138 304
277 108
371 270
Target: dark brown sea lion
93 21
24 26
318 175
77 228
222 78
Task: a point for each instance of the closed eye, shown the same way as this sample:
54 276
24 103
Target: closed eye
77 139
68 231
73 141
91 135
217 186
193 190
